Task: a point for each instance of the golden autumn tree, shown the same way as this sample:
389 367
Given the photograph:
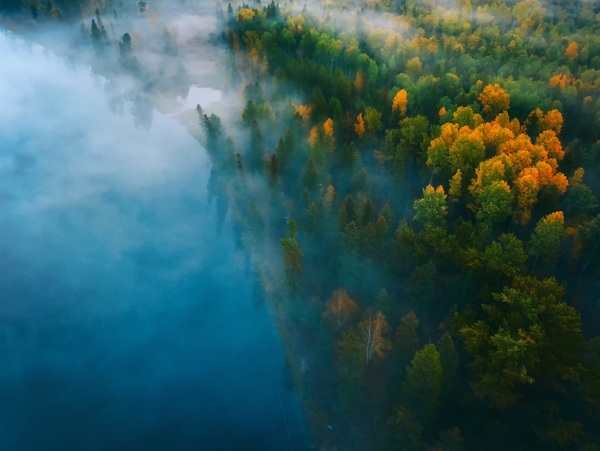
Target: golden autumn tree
303 111
494 99
359 126
560 81
328 134
328 128
400 101
527 186
552 120
550 142
246 14
572 51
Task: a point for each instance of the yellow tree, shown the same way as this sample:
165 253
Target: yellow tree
400 101
359 126
527 186
552 120
494 99
328 127
572 51
550 142
328 134
303 111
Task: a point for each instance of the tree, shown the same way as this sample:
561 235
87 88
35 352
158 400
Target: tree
580 200
432 207
495 202
372 121
340 307
467 152
455 188
529 336
311 176
494 100
545 240
274 166
350 365
422 386
359 81
406 431
96 35
527 187
292 255
359 126
125 47
505 256
373 329
400 101
465 116
347 211
406 339
572 51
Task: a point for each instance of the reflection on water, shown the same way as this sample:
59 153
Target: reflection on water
127 321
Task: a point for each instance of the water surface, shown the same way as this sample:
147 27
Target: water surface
128 318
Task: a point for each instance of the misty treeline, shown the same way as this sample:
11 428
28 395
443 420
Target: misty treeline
417 182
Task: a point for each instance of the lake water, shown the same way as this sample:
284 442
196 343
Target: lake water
128 317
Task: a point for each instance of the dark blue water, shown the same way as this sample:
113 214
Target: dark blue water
128 318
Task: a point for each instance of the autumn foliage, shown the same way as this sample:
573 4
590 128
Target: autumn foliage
494 99
400 101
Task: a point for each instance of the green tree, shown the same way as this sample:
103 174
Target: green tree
423 384
495 202
580 200
466 153
505 257
432 208
406 340
529 336
292 254
351 366
406 431
372 120
545 240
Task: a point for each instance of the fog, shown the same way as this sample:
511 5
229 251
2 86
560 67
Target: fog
128 316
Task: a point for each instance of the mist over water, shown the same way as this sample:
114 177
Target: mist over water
128 317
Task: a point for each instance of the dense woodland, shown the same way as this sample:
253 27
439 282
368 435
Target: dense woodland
418 182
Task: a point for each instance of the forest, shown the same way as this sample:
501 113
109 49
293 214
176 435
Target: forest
417 182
